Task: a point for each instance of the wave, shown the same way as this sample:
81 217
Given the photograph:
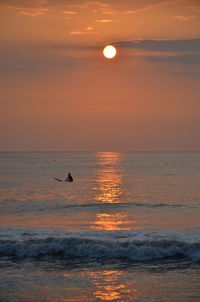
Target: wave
122 205
138 247
10 207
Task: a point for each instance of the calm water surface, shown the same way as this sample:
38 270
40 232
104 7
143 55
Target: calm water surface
126 229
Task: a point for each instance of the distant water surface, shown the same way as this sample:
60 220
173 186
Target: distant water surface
127 228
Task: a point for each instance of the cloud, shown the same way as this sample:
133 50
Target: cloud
166 51
145 8
87 31
183 18
119 7
69 12
192 45
188 74
136 4
104 21
107 7
24 4
34 12
89 28
104 7
191 59
17 59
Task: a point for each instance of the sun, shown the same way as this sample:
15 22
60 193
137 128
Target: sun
109 52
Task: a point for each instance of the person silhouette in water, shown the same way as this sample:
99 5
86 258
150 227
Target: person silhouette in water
69 178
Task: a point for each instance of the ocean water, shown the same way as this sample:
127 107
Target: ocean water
126 229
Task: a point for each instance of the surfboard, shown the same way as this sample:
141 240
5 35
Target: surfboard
58 179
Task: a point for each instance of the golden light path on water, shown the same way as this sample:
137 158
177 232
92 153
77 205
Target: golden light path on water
109 177
109 190
109 287
110 222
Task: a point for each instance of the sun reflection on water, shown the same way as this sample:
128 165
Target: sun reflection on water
110 222
109 177
109 190
109 287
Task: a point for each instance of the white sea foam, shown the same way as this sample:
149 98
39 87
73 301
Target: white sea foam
134 246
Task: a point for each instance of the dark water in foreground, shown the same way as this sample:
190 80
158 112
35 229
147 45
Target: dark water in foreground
127 228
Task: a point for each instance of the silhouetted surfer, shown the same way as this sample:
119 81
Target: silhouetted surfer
69 178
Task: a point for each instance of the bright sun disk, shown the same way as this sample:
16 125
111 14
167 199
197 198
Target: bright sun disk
109 52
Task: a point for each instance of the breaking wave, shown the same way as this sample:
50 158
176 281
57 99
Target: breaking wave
131 246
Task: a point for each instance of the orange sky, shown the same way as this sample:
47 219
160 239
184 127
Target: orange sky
57 92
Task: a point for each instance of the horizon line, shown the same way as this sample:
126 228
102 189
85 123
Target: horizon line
93 151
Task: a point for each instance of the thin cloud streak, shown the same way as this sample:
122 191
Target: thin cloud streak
185 52
87 31
69 12
191 59
182 45
183 18
107 7
104 21
34 12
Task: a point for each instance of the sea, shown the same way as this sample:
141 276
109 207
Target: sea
126 229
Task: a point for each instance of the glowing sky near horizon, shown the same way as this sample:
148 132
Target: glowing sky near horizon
57 92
